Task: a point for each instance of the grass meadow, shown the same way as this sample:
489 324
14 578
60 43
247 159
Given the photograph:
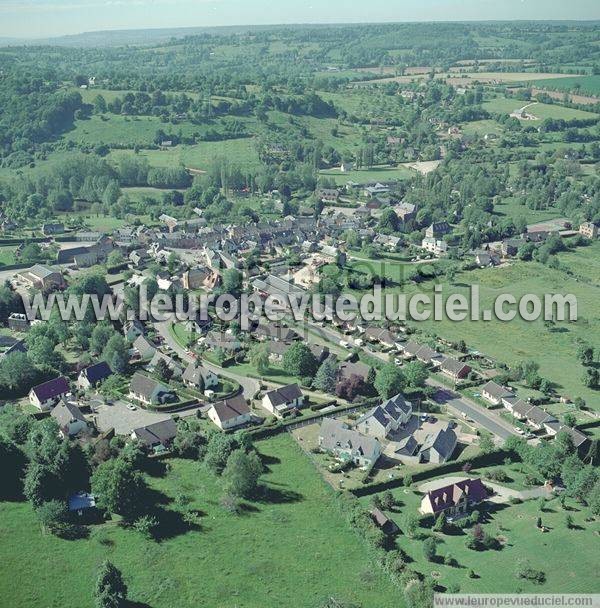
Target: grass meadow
503 105
291 548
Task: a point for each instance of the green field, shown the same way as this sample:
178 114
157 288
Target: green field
565 555
7 256
510 207
362 176
588 85
290 549
502 105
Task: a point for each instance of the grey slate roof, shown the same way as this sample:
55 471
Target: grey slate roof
231 408
157 433
443 442
284 394
336 435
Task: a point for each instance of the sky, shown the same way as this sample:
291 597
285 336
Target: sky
44 18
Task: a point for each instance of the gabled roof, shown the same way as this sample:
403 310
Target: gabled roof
97 372
145 347
65 413
495 390
284 394
145 386
157 433
538 416
335 435
194 372
51 389
449 496
521 407
443 442
453 366
231 408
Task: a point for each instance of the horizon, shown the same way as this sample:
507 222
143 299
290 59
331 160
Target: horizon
43 19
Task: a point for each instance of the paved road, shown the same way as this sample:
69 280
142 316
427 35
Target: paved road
489 420
250 386
485 418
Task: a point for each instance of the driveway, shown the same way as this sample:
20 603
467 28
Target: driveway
124 420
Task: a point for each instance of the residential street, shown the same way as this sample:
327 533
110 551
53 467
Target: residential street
250 386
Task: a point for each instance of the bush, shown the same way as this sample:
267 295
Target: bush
526 572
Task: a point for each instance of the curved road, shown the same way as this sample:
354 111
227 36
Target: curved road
250 386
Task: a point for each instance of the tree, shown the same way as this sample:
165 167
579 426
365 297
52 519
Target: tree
410 524
388 502
569 521
119 488
110 590
569 419
299 361
350 388
163 371
54 517
17 373
242 472
430 549
219 448
389 381
259 358
440 523
486 443
415 374
116 353
101 334
326 376
585 354
591 377
232 281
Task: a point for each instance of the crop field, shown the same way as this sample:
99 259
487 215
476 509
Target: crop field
290 548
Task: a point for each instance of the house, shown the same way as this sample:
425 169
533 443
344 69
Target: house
454 369
384 523
438 447
69 418
144 348
537 417
376 190
53 228
385 418
282 400
328 195
435 246
437 230
93 375
199 377
158 436
150 391
18 322
173 365
133 329
429 356
274 331
45 396
230 413
589 230
347 444
520 409
42 277
226 342
80 502
454 500
407 446
485 259
201 277
494 393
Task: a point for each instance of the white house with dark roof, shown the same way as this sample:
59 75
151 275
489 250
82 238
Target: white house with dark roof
150 391
45 396
385 418
93 375
230 413
199 377
157 436
69 418
495 393
282 400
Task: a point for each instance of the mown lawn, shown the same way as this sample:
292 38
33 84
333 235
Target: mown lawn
290 549
566 556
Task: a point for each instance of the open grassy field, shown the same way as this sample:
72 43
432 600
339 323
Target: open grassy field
7 256
289 549
565 555
241 152
554 348
510 207
361 176
576 84
502 105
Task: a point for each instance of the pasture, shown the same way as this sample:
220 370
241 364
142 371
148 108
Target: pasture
289 548
589 85
503 105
